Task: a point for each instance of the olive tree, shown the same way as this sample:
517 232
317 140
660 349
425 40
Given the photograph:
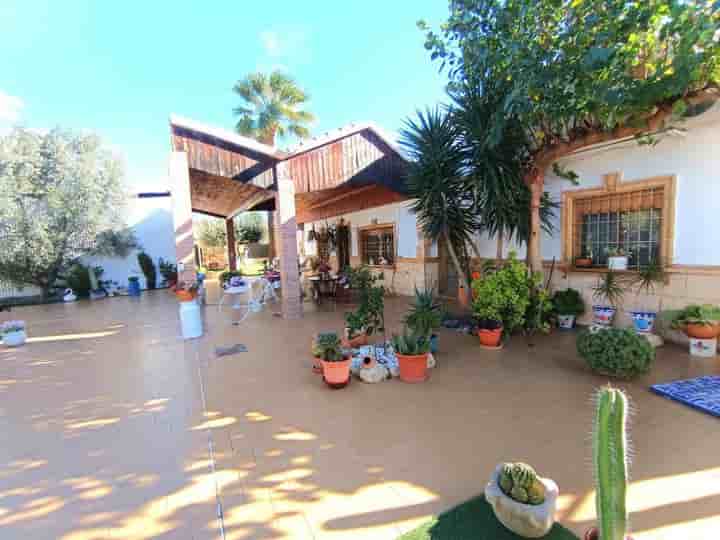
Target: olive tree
61 197
583 72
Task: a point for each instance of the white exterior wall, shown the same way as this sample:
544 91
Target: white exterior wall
397 213
152 221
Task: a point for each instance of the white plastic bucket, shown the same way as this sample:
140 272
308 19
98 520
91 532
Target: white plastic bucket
190 320
618 263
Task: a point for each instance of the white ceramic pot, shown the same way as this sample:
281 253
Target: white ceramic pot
644 321
526 520
603 315
618 263
14 339
566 322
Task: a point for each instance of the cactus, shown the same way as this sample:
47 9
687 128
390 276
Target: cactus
519 494
520 482
610 463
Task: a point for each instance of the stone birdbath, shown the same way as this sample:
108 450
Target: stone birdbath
526 520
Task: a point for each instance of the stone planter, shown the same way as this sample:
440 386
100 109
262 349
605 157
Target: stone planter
14 339
526 520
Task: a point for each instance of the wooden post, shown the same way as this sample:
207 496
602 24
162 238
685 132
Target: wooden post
231 247
272 248
286 236
179 175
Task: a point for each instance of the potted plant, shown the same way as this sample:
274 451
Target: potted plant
168 271
501 300
411 349
568 305
698 321
321 343
618 258
521 500
646 280
425 315
335 363
369 317
134 286
13 333
186 292
616 352
611 289
610 463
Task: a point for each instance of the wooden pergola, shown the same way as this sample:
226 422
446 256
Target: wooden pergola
222 174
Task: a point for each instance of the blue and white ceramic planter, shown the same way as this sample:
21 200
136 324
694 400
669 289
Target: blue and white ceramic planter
644 321
603 315
566 322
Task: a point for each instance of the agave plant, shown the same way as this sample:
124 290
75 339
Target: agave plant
411 343
610 287
425 313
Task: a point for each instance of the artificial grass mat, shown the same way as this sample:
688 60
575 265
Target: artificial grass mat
474 520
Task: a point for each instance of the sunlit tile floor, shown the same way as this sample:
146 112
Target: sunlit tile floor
113 427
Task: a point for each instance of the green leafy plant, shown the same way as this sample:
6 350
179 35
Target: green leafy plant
649 276
411 342
425 313
610 463
539 313
148 269
616 352
610 287
369 317
520 482
568 302
503 295
705 315
327 347
77 278
618 252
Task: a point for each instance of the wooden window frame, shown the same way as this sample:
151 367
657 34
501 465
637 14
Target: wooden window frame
613 184
361 246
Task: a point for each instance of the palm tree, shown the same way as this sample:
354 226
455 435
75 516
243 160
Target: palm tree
437 182
271 107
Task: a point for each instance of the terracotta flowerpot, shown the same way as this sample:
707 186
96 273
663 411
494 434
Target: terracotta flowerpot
184 296
317 365
583 262
703 331
490 338
336 374
594 534
413 368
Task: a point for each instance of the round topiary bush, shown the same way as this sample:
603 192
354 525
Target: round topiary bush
616 352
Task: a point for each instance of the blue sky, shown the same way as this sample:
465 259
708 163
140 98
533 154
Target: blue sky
121 68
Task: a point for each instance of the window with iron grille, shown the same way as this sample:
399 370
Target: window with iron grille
377 246
627 223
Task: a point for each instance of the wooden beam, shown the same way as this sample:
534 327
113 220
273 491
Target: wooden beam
206 213
336 198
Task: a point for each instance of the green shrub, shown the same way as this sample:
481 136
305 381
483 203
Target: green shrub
568 302
77 278
616 352
425 313
503 295
411 343
148 269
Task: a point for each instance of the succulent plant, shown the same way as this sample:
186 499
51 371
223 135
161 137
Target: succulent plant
610 463
520 482
519 494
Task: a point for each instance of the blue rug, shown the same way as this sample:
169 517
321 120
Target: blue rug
702 393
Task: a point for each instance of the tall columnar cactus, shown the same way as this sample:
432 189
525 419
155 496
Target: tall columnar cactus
610 462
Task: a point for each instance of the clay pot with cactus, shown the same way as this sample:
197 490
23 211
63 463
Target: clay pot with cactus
611 466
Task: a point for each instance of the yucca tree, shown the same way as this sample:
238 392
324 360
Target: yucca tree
438 183
496 152
272 106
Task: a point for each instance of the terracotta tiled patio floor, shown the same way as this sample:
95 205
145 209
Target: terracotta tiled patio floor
107 421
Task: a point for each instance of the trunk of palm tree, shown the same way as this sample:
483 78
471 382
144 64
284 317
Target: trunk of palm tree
462 277
500 239
533 246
